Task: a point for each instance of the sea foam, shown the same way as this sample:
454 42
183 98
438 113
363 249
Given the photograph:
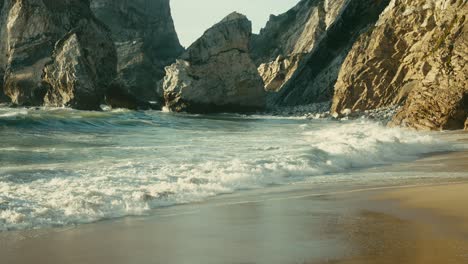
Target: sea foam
115 166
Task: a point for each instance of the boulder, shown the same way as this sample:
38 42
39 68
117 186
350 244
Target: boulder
216 73
80 70
54 53
146 42
414 56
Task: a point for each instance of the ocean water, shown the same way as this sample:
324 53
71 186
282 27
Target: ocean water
63 167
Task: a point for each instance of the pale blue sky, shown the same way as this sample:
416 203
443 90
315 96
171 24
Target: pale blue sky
193 17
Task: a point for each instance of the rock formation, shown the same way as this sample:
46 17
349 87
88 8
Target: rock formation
305 47
287 38
54 53
416 55
216 73
146 41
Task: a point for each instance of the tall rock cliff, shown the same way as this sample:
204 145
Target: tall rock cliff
146 42
216 73
286 39
303 49
416 55
54 53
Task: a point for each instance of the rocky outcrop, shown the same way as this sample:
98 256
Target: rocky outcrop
146 42
286 39
305 47
279 71
216 73
54 53
416 55
80 72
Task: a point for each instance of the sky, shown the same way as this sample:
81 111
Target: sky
193 17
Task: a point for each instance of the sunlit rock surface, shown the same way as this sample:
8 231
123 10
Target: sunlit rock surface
416 55
216 73
300 52
54 53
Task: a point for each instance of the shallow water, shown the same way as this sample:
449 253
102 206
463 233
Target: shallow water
60 166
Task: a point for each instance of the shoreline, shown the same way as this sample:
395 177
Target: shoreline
350 222
374 225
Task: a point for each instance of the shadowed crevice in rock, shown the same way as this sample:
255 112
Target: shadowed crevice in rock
181 105
146 42
118 97
3 97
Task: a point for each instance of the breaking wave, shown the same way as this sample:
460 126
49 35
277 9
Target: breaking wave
62 167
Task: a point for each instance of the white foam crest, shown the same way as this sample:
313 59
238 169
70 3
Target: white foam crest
8 113
86 192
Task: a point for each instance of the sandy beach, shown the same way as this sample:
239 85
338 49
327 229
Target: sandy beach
406 224
401 225
411 225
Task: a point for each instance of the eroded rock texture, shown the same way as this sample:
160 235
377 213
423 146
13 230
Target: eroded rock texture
80 71
54 53
304 48
216 73
146 42
416 55
286 39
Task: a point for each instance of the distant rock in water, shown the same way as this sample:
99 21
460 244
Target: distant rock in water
216 73
416 55
146 41
300 52
54 53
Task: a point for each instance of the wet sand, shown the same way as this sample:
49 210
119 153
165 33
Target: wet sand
418 225
290 224
403 225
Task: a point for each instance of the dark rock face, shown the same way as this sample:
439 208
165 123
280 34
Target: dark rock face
119 97
423 67
310 42
54 53
146 41
3 97
216 73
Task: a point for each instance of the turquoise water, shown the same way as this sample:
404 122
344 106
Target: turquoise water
64 167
